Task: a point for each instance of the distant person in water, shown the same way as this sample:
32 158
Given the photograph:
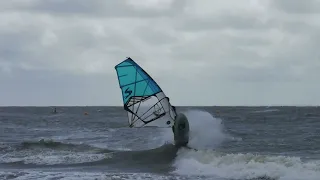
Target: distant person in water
55 110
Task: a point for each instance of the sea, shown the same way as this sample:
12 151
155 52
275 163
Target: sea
95 143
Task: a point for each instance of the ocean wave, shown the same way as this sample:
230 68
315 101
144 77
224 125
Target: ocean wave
244 166
49 152
51 144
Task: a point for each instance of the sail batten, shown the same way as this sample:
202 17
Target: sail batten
143 99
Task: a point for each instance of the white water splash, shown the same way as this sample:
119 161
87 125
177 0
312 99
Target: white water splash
206 133
244 166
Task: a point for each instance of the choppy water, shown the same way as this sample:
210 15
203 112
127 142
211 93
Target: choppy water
234 143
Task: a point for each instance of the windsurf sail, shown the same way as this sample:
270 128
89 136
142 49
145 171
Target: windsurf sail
143 99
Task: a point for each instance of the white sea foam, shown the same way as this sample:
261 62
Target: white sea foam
207 133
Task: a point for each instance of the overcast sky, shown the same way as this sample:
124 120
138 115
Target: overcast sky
201 52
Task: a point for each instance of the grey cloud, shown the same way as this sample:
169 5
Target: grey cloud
15 46
298 27
237 59
92 8
154 36
297 6
75 45
220 48
231 58
47 88
253 41
261 74
225 21
12 46
303 52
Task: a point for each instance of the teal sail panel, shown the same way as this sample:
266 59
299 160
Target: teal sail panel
143 99
134 81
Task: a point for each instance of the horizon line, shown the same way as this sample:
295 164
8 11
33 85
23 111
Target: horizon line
275 105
